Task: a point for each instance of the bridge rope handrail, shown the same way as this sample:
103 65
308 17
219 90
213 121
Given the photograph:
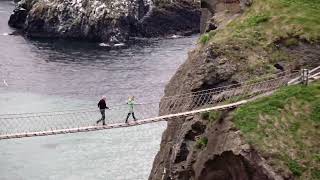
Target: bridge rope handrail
249 82
203 92
216 89
35 124
120 125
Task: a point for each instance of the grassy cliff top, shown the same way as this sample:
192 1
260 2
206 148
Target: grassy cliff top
285 128
267 33
267 21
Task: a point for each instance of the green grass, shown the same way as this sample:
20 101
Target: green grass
291 42
286 125
294 167
211 116
269 20
205 115
202 142
206 37
258 31
252 39
255 20
317 157
315 173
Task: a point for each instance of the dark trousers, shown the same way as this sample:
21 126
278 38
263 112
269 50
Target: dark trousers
103 116
130 113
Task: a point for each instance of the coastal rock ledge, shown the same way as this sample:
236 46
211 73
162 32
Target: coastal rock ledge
111 21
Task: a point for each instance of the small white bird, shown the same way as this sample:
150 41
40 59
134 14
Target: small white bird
5 83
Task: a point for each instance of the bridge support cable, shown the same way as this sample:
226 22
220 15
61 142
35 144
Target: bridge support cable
49 123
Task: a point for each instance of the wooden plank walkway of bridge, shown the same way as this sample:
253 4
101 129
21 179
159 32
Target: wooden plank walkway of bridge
121 125
314 75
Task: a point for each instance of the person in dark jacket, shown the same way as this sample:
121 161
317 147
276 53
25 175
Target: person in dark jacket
102 106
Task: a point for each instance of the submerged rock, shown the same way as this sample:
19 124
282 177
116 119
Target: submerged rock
101 20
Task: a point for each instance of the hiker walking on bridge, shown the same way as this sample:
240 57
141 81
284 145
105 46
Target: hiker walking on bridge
102 106
131 112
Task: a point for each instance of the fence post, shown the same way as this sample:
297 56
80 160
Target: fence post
307 80
305 76
164 173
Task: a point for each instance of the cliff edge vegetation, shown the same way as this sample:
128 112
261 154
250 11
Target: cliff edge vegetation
284 128
268 21
271 28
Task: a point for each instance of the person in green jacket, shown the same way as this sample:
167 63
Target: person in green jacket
131 112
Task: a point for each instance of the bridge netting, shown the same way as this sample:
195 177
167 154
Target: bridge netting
47 123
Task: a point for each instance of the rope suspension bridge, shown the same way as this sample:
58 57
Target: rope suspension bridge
221 98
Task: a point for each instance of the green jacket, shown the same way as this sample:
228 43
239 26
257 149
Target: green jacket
131 104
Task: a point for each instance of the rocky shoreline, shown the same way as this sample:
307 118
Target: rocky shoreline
109 21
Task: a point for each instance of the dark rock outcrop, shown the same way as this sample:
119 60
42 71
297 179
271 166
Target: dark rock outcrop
227 156
179 18
20 13
104 20
305 54
213 10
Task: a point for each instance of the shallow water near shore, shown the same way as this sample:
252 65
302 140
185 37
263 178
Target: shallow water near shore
53 75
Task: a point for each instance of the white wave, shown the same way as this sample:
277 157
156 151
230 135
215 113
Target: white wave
119 44
5 83
104 45
4 34
175 36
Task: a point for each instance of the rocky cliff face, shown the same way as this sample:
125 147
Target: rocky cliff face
182 18
193 148
225 156
104 20
215 12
